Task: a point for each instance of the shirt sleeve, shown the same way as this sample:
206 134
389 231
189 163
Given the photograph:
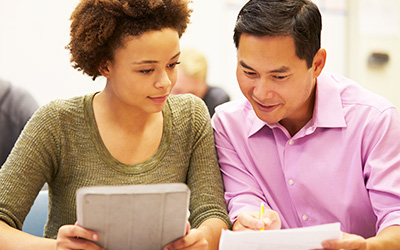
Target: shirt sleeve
242 191
382 168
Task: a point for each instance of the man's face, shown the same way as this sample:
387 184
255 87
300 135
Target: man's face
278 84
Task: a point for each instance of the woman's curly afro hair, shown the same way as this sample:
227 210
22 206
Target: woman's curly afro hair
99 27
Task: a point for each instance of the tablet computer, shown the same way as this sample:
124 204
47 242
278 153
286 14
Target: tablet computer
134 216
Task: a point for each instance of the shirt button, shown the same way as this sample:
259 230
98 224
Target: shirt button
305 217
291 182
291 142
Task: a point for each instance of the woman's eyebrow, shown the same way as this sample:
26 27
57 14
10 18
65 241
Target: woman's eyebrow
154 61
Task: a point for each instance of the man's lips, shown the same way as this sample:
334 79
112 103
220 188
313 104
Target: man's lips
265 108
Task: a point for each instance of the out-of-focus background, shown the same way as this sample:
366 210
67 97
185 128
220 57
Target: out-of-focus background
362 38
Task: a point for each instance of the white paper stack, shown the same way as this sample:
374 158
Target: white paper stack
305 238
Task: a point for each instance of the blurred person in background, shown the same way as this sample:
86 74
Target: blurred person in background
192 78
16 107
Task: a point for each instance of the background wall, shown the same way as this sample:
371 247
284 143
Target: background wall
33 35
374 27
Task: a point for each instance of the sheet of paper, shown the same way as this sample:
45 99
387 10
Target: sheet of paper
305 238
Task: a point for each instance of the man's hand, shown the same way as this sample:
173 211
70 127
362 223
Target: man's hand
348 242
251 221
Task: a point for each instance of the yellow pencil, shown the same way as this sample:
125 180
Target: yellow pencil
261 214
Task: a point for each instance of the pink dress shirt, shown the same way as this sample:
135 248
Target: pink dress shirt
342 166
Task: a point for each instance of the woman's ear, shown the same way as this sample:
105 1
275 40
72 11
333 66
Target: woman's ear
104 69
319 62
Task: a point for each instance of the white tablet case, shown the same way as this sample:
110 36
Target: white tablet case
135 216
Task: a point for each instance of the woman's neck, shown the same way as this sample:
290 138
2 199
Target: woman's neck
121 114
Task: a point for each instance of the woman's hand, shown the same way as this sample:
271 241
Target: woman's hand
76 237
194 239
251 221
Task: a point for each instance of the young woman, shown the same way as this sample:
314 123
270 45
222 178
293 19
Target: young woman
132 132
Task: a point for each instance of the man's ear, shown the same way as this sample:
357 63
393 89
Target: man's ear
319 62
104 69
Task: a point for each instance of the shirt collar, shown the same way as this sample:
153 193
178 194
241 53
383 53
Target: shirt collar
328 111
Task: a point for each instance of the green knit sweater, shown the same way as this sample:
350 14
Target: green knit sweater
61 145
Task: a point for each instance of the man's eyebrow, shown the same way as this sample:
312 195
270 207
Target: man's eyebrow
153 61
282 69
244 65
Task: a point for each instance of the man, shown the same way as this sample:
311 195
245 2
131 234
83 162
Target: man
192 78
315 147
16 107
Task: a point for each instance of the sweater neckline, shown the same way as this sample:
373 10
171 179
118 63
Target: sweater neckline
106 156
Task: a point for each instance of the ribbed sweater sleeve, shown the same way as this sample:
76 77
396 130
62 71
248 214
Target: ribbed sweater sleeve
204 177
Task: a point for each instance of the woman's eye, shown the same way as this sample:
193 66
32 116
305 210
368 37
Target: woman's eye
146 71
172 65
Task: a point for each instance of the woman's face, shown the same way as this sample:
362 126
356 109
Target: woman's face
143 70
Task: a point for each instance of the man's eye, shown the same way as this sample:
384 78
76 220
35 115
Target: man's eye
280 77
249 73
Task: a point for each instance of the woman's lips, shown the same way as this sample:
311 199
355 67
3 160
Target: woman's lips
159 99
